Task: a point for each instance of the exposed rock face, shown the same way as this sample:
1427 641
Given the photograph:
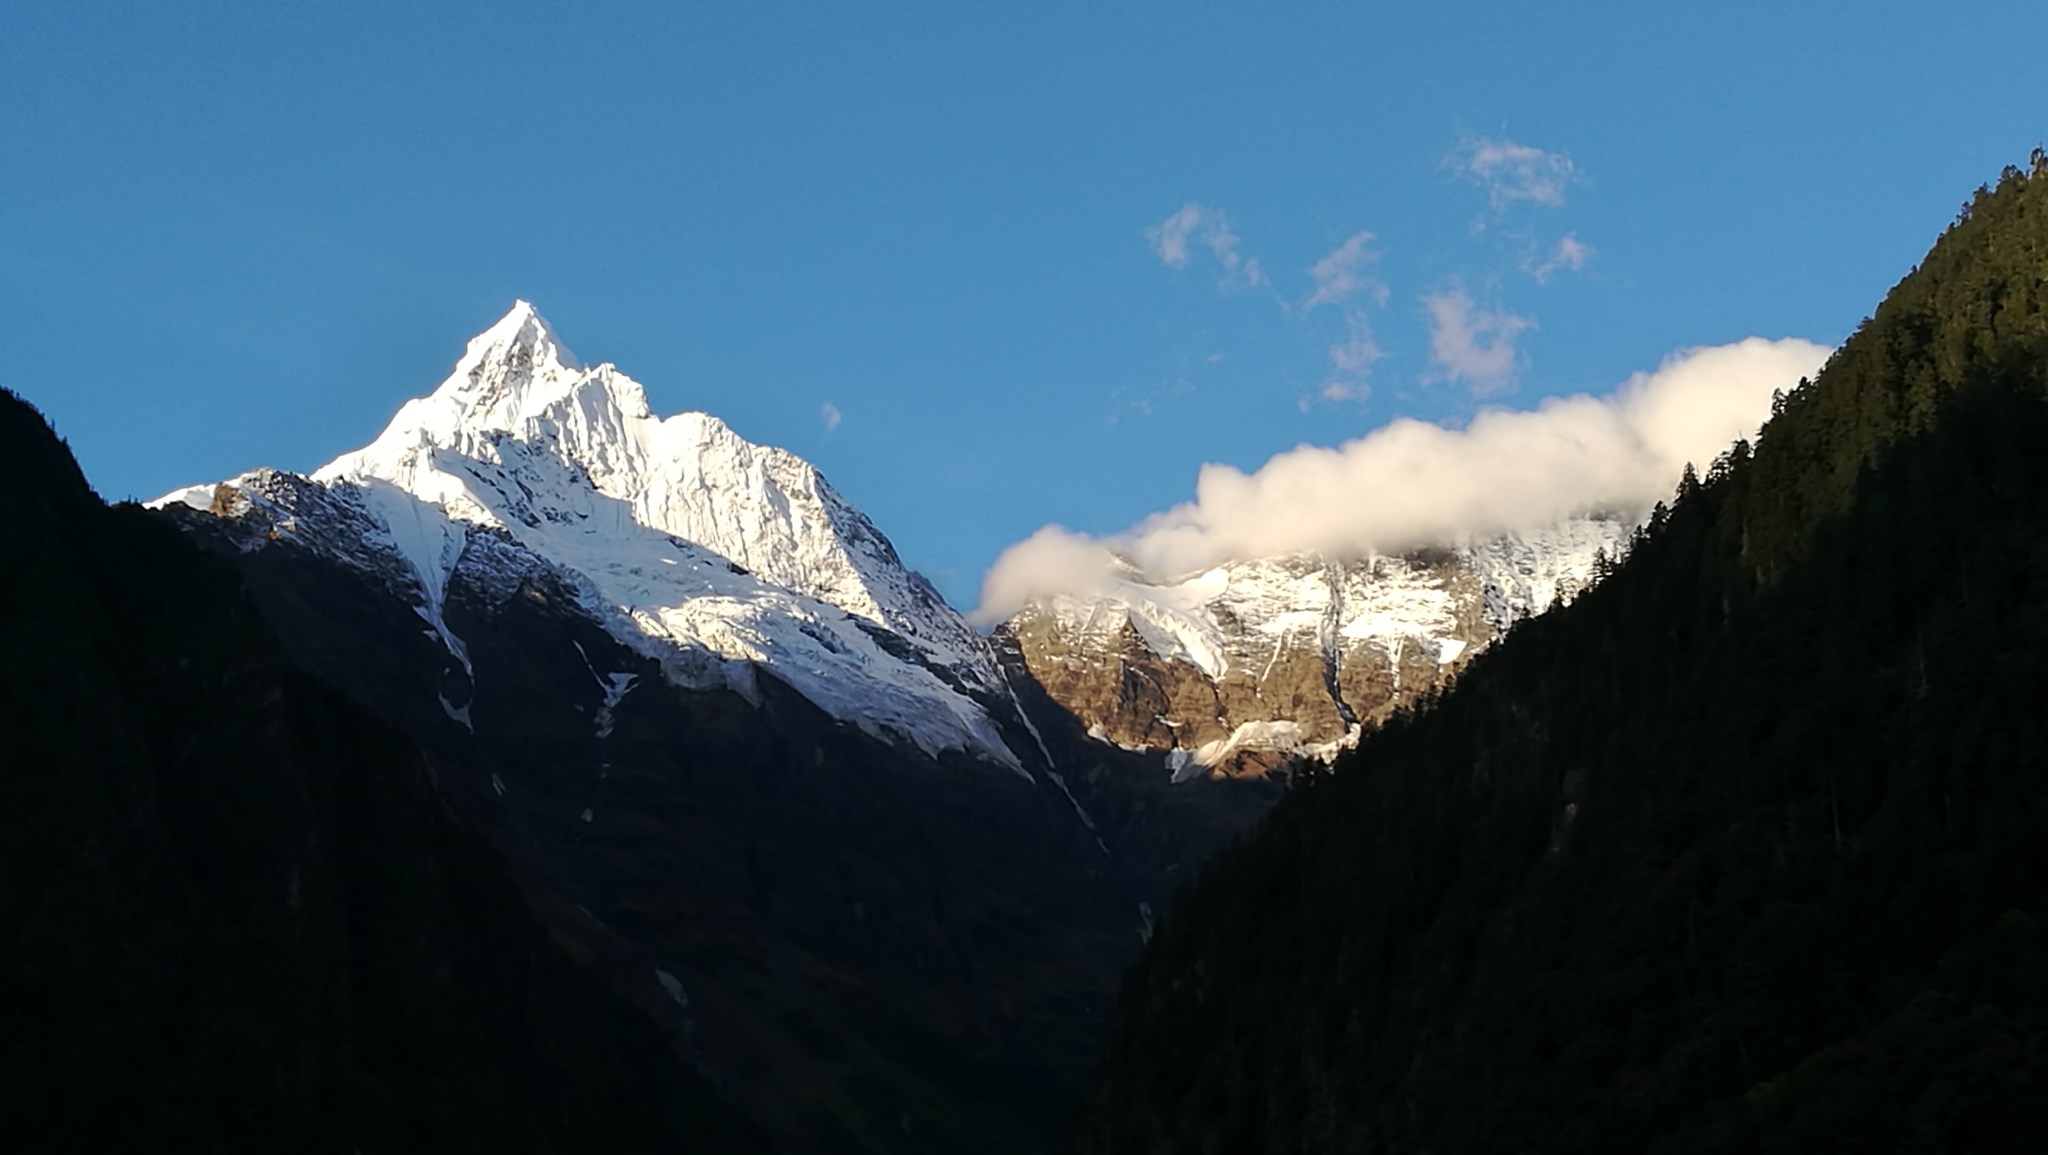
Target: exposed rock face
1244 666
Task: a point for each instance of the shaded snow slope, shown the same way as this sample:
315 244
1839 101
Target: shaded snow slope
692 545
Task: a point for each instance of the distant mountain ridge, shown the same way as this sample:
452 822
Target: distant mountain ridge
709 554
1249 664
720 559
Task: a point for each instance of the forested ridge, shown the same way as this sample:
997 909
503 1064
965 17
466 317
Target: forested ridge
1743 850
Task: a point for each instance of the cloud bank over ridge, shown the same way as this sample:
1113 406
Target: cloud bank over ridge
1410 483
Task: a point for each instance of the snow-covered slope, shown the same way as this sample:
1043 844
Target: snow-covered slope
1292 654
711 554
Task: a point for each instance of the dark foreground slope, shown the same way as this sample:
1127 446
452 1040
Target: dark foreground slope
1743 851
870 950
237 915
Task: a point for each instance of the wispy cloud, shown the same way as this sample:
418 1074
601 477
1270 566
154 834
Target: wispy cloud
1410 483
1351 361
1340 274
1570 255
1511 172
1194 225
1170 237
1125 403
1472 345
831 415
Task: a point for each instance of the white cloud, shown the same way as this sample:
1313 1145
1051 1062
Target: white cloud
831 415
1208 227
1170 237
1341 273
1351 361
1473 345
1570 255
1053 560
1410 483
1511 172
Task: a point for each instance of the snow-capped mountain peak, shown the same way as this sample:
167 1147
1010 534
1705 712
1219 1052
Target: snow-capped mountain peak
509 375
521 328
691 542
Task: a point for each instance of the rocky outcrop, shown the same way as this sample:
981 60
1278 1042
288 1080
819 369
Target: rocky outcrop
1245 666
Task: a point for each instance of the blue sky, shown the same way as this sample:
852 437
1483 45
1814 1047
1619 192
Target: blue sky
1043 260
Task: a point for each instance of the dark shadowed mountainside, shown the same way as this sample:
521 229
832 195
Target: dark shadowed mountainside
1741 851
873 950
239 913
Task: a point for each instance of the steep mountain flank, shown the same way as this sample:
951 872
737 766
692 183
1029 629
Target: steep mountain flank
1738 852
239 912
